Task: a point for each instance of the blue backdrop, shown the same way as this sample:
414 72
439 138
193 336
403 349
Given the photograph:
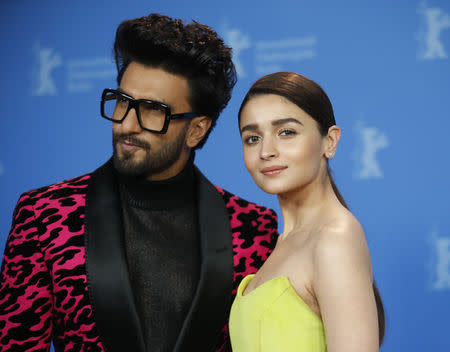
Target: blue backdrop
384 64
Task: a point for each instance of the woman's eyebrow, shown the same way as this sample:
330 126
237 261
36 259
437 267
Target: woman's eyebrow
285 120
255 126
250 127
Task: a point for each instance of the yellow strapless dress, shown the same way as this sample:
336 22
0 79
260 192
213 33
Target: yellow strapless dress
273 318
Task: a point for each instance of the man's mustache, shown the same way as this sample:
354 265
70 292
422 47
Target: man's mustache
122 137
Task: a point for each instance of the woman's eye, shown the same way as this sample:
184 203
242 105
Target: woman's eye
287 133
251 140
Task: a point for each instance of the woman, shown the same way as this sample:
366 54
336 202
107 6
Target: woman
316 291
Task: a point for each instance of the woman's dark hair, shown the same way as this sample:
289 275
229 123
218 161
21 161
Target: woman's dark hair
312 99
191 50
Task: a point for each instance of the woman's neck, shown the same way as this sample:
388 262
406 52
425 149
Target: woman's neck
307 208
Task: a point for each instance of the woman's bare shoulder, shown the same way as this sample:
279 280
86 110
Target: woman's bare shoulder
341 243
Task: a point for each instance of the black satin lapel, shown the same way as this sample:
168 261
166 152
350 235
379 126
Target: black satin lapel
107 271
212 301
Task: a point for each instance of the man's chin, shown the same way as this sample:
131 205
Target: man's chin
130 164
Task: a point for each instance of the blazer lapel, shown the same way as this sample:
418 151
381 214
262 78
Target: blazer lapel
109 287
211 304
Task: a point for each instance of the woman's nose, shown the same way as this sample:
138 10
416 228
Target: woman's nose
268 149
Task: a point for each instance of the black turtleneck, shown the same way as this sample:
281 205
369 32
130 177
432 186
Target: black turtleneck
163 252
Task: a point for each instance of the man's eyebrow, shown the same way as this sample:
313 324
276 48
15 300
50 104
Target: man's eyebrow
285 120
122 91
157 101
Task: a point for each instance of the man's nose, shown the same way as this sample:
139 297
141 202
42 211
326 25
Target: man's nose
130 124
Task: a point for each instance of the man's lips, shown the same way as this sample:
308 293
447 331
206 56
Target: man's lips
273 170
129 146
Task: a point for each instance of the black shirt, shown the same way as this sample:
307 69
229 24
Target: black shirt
163 252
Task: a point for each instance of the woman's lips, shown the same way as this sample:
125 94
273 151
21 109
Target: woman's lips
273 170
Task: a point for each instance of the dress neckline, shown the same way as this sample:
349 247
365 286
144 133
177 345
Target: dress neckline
285 286
246 280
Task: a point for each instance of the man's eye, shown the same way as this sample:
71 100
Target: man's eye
252 140
122 101
287 133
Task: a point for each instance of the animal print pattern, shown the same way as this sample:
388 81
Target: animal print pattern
254 230
43 289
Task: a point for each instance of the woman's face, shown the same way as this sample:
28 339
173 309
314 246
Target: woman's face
283 148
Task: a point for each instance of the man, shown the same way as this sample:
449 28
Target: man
144 253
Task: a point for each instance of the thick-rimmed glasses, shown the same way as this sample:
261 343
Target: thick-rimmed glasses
153 116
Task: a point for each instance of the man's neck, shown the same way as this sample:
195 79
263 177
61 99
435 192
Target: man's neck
160 194
174 169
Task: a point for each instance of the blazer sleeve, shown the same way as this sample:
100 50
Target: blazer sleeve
272 229
268 223
25 287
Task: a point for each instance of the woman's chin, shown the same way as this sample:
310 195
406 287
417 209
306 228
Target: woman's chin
272 189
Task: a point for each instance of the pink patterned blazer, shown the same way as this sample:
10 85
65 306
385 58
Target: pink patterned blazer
64 275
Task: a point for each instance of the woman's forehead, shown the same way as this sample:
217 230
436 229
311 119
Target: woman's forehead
267 108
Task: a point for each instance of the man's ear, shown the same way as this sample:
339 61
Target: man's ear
198 128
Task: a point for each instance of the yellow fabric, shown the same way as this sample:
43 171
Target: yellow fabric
272 318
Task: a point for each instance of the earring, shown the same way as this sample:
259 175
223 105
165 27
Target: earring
330 154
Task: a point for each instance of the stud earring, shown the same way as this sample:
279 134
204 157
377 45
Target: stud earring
330 154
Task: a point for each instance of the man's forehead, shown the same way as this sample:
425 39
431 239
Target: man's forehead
154 83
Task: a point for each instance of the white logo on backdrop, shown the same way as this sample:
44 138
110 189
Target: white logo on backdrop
434 21
47 60
440 261
370 141
238 42
272 55
80 74
269 55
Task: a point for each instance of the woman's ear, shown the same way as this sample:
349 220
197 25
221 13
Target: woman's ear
198 128
331 141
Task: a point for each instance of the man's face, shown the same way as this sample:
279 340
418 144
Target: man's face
142 153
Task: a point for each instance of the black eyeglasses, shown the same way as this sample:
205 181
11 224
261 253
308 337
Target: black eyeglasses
153 116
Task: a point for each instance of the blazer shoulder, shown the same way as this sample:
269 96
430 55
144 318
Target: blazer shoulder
73 186
244 206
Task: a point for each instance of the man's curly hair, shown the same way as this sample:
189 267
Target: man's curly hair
191 50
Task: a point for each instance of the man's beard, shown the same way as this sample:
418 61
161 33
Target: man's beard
153 162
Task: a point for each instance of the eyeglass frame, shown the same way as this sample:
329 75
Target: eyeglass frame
134 104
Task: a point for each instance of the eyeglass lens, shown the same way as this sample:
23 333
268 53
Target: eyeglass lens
152 115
